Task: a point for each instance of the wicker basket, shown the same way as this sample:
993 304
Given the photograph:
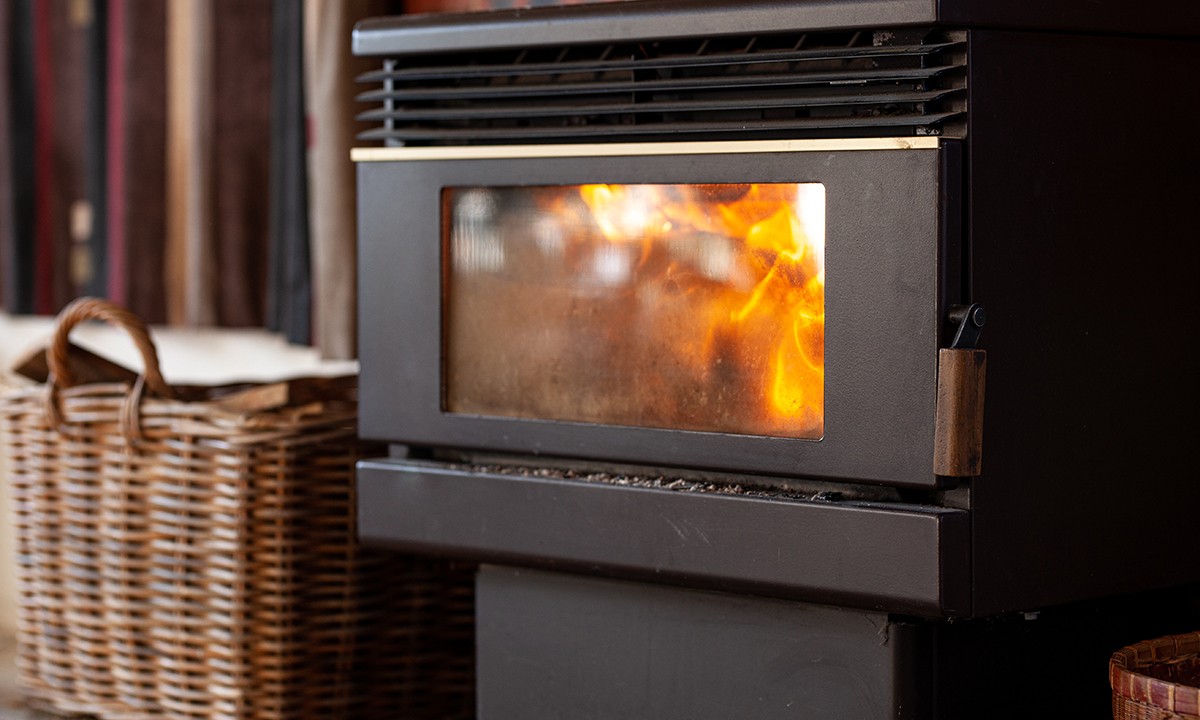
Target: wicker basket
190 553
1157 679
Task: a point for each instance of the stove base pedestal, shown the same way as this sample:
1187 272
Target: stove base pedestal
553 645
571 646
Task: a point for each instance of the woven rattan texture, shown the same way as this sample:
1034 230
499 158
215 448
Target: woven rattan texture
210 569
1157 679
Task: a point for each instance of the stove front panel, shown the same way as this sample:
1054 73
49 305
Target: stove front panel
867 416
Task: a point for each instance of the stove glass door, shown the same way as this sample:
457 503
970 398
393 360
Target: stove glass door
695 307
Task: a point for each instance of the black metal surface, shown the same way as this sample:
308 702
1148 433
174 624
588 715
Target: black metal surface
601 108
656 19
623 131
557 640
899 558
624 61
881 336
1168 18
627 22
730 83
1075 198
634 85
951 241
1090 485
561 646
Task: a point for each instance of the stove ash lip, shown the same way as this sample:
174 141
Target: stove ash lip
911 560
679 478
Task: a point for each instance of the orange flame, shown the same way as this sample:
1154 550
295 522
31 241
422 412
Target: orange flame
750 261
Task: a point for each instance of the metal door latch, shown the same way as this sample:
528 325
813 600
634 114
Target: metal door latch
967 321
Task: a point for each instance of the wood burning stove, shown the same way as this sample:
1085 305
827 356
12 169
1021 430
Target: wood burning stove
682 292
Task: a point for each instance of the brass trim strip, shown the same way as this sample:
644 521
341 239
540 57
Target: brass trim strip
729 147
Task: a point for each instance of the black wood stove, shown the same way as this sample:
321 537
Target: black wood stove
673 313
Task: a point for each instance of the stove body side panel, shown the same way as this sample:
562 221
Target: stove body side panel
1083 189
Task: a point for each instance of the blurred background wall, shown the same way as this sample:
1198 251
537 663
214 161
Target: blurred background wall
188 159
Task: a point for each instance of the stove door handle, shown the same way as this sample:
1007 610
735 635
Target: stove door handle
958 428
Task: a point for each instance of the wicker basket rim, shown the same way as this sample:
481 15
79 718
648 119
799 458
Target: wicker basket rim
1127 682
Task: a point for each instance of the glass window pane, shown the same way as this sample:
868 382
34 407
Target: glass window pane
699 307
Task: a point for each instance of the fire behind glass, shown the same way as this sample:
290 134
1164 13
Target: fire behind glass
697 307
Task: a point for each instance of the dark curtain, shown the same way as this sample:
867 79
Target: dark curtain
137 93
289 298
241 157
92 247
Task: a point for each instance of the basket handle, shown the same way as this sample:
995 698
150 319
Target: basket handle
89 308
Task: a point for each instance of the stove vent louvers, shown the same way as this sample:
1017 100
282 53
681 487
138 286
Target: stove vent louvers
899 82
